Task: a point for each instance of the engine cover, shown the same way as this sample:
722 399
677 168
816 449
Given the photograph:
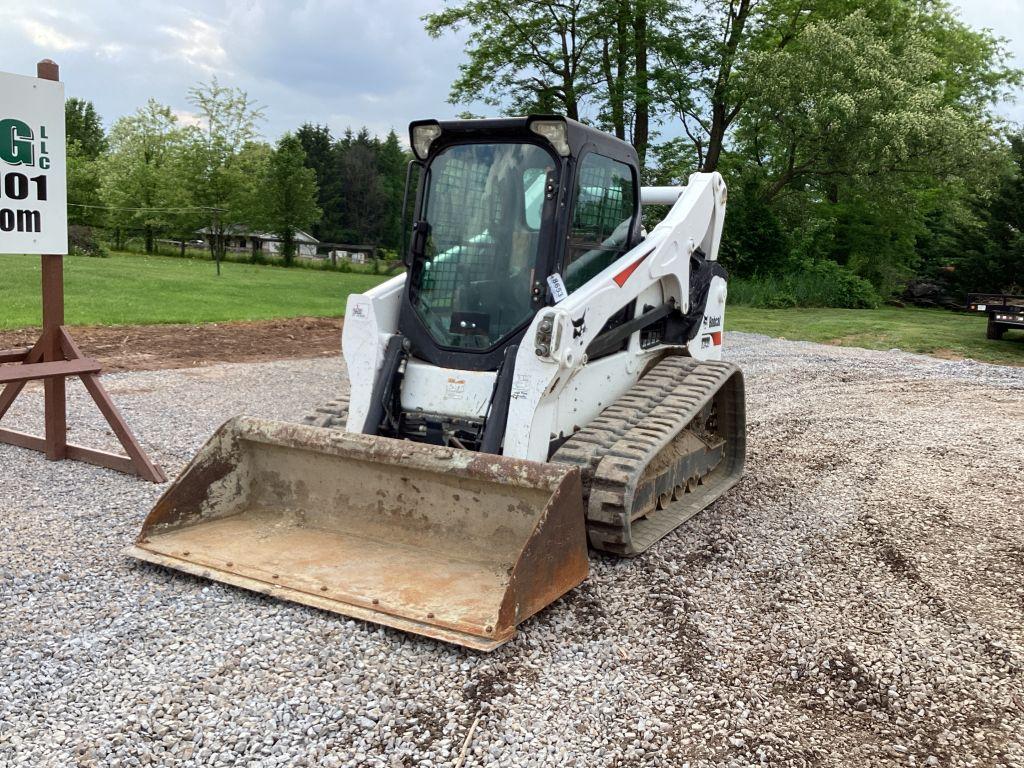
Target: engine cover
429 389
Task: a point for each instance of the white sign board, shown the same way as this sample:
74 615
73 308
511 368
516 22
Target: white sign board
33 166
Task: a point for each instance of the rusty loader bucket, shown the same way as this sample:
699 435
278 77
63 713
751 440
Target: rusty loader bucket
455 545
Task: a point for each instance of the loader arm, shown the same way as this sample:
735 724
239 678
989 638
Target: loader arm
657 268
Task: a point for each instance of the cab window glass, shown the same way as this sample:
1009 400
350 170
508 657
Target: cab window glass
533 196
603 210
473 284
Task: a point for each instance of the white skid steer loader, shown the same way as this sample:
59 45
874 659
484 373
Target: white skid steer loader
546 374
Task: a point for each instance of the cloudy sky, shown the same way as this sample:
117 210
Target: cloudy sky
339 62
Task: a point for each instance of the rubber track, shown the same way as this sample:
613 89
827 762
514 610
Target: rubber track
614 451
332 414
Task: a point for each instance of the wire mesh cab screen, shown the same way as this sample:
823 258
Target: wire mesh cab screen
602 215
483 205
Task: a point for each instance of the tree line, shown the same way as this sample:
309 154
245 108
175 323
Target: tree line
859 138
360 181
154 176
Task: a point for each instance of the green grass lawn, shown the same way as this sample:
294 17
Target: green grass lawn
128 289
930 331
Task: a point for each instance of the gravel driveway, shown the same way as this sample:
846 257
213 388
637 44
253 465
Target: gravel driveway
856 601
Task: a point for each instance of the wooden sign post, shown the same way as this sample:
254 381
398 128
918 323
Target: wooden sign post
55 356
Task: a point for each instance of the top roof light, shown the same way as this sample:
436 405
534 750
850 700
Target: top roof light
423 136
556 132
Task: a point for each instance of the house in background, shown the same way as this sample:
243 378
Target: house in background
240 239
355 257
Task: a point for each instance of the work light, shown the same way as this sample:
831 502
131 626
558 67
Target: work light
423 136
555 132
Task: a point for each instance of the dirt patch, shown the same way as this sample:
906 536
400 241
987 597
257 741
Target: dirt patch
154 347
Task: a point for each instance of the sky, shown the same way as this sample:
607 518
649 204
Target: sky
1006 19
343 63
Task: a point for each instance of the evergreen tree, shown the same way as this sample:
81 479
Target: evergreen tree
288 194
361 192
317 142
391 165
361 183
83 126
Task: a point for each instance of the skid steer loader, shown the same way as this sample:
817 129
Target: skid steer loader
544 375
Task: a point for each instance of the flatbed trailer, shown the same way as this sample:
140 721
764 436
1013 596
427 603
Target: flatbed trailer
1004 311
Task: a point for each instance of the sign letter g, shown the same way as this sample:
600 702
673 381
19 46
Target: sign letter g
16 145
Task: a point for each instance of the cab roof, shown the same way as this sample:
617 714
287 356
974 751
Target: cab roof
581 138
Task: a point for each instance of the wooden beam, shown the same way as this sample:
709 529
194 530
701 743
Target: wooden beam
22 440
14 355
21 373
143 467
11 391
55 407
76 452
104 459
74 364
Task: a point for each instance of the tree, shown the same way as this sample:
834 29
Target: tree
556 55
629 33
83 176
229 122
361 190
318 144
361 183
978 244
534 56
288 194
857 131
247 201
221 191
139 178
86 142
84 127
849 98
849 122
1003 217
696 69
636 60
754 241
230 118
392 162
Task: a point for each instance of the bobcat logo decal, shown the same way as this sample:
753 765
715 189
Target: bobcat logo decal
579 327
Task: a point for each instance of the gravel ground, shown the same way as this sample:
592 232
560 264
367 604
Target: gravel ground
855 601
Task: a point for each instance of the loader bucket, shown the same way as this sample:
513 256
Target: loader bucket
455 545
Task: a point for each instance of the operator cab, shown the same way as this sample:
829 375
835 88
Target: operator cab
500 206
